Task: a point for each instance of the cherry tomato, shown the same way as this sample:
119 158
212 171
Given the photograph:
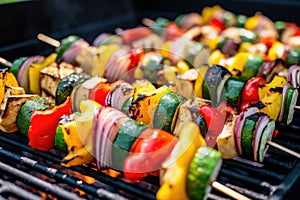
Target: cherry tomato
147 153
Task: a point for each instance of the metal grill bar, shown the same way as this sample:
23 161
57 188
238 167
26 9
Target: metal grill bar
7 187
258 182
260 172
59 176
38 183
289 181
135 189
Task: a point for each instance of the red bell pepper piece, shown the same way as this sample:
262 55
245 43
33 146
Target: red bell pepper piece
275 133
135 57
172 32
250 92
43 125
131 35
268 41
100 92
217 23
215 120
147 153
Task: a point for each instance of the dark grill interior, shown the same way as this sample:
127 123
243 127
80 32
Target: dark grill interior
29 174
39 174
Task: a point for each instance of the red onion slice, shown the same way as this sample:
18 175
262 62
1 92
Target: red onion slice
290 73
265 137
294 77
239 126
107 127
117 65
120 94
284 92
73 51
97 135
23 74
109 134
100 38
260 126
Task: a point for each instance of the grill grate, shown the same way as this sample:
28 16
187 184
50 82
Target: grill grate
275 176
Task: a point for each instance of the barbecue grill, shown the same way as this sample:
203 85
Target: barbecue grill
30 174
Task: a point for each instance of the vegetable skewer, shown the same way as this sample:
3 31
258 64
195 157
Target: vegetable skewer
294 152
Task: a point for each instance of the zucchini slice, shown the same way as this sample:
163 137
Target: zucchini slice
290 102
66 86
260 127
127 134
247 135
203 170
17 65
213 86
239 126
65 44
233 88
165 111
265 137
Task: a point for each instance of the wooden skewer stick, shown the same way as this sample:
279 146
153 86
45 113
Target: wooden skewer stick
48 40
278 146
119 31
148 22
226 190
5 62
297 107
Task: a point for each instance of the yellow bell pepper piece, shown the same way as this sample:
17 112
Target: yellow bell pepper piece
142 87
271 98
245 46
2 90
101 58
10 79
165 49
208 12
252 22
213 42
182 67
6 79
138 73
174 180
215 57
170 73
239 61
199 81
34 73
273 103
145 107
78 135
278 81
276 50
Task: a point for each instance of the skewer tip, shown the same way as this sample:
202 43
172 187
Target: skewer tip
119 31
226 190
5 62
48 40
148 22
278 146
